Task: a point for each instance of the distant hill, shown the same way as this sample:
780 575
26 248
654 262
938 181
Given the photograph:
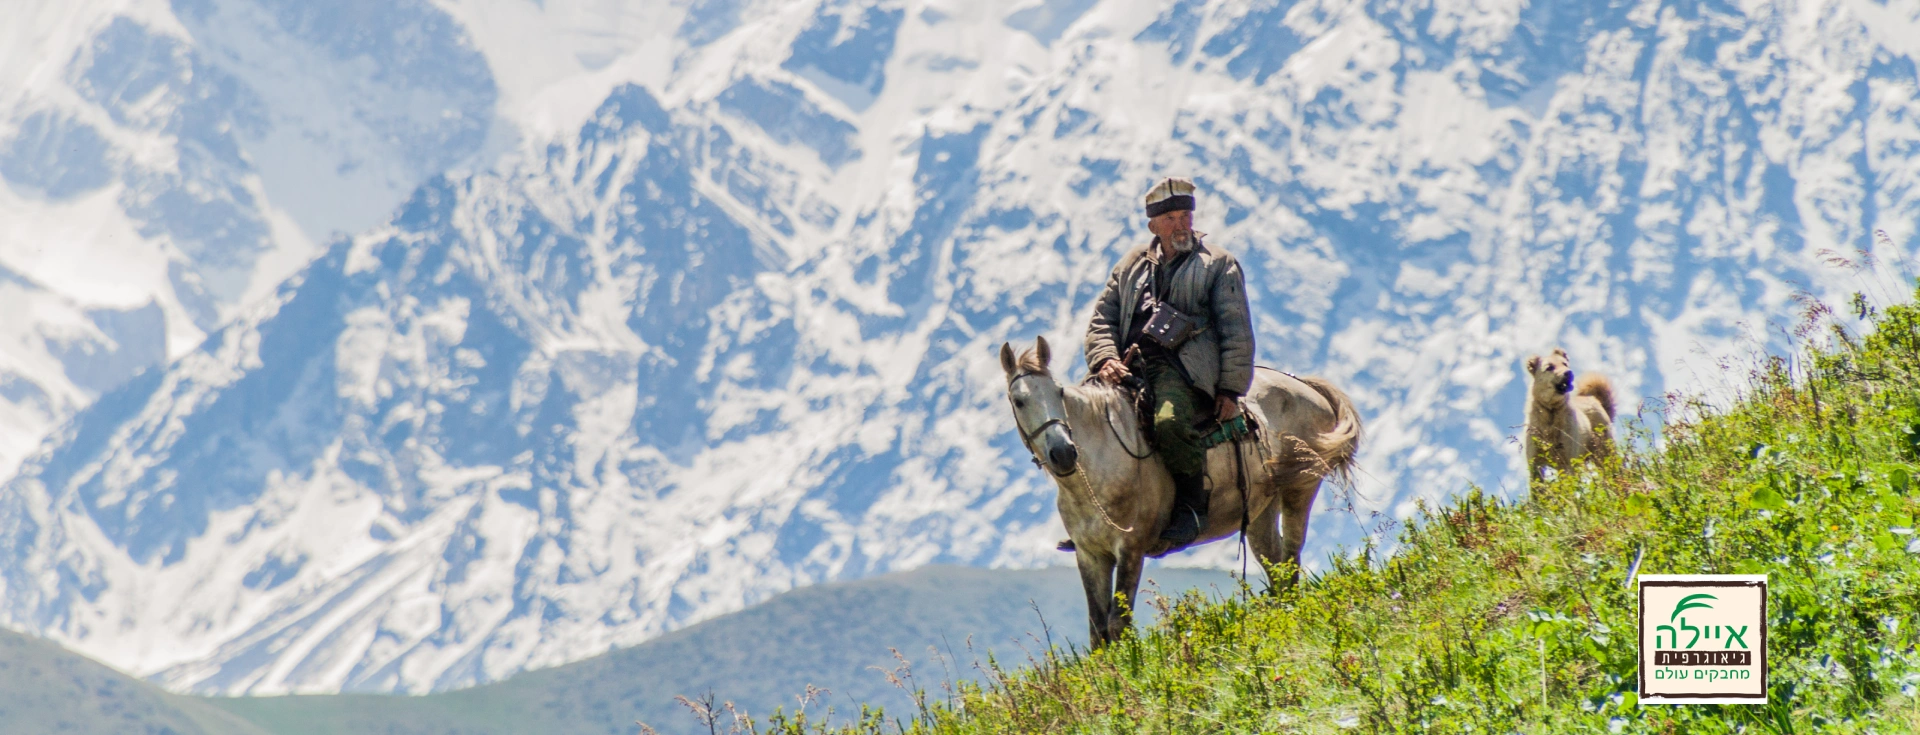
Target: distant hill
832 636
47 689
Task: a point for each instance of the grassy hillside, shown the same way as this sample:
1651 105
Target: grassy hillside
1503 618
831 637
47 689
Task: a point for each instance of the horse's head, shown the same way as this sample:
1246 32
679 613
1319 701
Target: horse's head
1040 408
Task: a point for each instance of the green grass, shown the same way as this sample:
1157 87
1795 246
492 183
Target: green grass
1496 617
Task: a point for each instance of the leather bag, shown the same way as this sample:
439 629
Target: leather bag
1168 327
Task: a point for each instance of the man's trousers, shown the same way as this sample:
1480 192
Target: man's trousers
1177 405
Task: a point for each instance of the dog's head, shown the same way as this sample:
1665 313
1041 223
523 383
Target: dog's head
1552 376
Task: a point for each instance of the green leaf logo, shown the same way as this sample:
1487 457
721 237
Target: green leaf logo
1691 602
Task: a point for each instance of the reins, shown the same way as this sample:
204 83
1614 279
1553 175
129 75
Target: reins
1119 437
1240 475
1087 489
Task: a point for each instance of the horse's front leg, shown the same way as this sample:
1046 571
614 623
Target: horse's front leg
1126 583
1096 578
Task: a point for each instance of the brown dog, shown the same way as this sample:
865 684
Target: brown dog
1566 419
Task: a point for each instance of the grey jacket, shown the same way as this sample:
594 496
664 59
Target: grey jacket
1207 286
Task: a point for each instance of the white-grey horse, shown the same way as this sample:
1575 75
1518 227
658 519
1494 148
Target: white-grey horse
1115 496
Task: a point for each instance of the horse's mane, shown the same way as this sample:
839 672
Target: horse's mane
1098 396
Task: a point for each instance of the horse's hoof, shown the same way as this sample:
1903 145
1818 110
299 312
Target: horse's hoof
1065 545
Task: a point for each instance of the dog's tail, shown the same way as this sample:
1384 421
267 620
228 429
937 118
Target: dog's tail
1598 387
1338 445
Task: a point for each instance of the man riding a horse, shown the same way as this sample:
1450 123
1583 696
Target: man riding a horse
1175 312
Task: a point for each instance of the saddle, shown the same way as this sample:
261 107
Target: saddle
1213 432
1221 432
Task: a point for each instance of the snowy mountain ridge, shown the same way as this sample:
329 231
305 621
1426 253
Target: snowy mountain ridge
712 332
162 164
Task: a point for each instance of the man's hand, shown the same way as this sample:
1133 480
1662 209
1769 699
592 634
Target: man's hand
1112 372
1228 407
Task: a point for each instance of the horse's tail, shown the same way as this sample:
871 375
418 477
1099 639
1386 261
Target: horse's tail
1337 445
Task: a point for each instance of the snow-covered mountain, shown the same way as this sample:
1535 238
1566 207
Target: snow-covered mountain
720 321
162 164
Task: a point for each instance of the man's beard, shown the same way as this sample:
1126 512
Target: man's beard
1181 242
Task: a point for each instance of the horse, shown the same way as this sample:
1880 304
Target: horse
1115 496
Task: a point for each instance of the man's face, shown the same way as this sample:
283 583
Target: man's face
1174 228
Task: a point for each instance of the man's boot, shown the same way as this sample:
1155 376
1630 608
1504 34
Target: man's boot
1189 510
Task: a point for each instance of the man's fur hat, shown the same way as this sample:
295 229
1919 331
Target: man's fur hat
1171 194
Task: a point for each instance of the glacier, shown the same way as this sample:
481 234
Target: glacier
706 309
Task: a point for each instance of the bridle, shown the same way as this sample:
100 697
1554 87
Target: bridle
1026 440
1026 437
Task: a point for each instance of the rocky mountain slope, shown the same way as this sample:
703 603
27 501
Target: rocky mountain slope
163 164
720 325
